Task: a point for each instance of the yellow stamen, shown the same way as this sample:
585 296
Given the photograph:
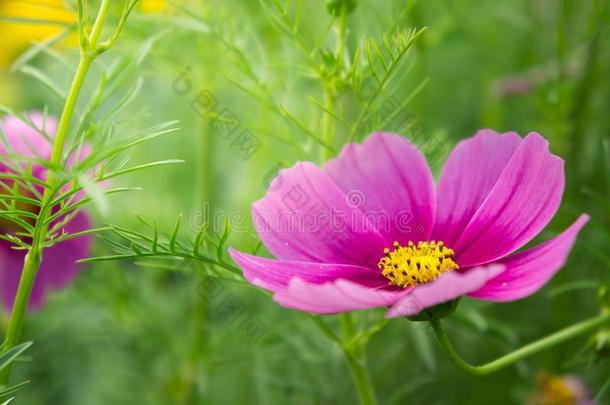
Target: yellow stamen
412 265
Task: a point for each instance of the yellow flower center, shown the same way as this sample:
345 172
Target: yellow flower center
412 265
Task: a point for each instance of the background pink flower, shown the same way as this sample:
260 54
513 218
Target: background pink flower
58 266
495 194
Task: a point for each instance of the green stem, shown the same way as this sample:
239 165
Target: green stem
30 268
66 117
329 85
98 25
355 357
342 39
77 83
34 256
347 326
204 202
360 376
328 127
519 354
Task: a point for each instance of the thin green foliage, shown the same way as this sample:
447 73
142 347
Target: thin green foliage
205 247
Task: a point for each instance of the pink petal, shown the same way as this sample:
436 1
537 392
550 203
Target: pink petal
306 217
58 265
447 287
275 275
334 297
389 180
519 205
468 176
25 140
527 271
57 270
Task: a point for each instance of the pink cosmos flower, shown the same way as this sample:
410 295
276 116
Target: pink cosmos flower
58 266
370 229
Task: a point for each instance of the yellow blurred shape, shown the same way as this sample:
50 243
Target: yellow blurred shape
152 6
23 22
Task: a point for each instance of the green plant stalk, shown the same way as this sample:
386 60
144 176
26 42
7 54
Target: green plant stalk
355 358
329 84
34 256
204 193
361 378
327 121
342 40
519 354
354 355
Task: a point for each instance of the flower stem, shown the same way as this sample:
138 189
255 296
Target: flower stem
327 123
13 331
519 354
64 122
204 198
361 377
342 35
329 84
355 358
34 256
354 355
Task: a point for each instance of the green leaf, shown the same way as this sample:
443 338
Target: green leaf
172 239
8 356
12 390
44 79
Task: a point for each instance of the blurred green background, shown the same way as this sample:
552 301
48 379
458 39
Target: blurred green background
135 333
